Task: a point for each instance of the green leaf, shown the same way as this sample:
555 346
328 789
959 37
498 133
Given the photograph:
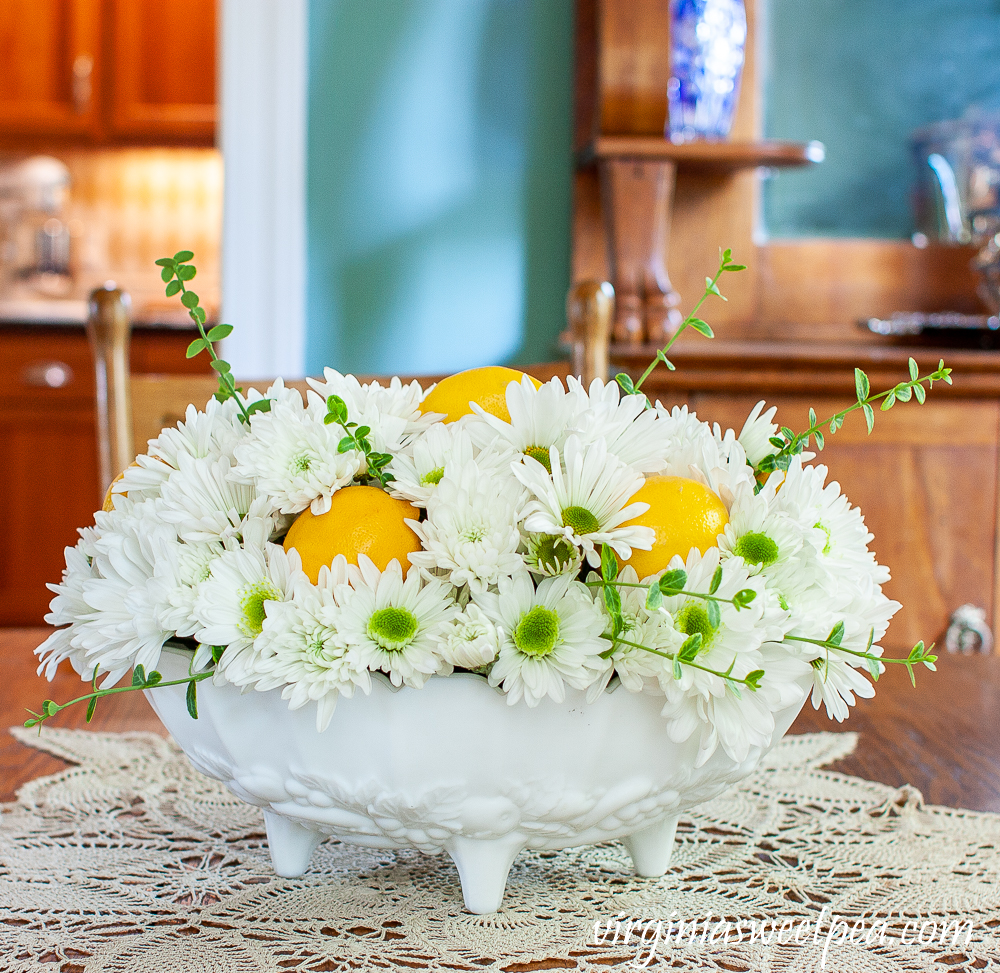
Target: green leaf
753 679
820 441
91 706
153 678
220 366
167 274
812 417
914 371
196 347
345 445
139 676
888 402
918 391
612 601
869 416
716 581
261 405
362 432
187 272
903 393
609 563
30 723
189 299
743 598
861 384
183 256
691 647
337 408
654 597
714 614
873 667
701 327
917 651
626 383
678 671
173 287
836 635
50 707
217 651
220 331
191 699
727 255
712 288
198 313
164 262
672 582
734 267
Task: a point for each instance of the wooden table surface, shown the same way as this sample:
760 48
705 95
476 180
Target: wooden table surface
941 737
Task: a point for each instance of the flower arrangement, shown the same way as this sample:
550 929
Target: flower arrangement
543 536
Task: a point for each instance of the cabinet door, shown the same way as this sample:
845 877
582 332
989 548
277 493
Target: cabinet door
161 70
49 67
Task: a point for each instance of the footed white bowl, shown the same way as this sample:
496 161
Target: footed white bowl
452 767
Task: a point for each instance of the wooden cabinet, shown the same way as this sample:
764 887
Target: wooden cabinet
49 483
106 72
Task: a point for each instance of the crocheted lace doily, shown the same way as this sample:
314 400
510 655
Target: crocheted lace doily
131 861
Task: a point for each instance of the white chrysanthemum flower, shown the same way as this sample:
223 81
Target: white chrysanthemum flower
67 608
755 436
635 667
587 503
301 649
549 555
470 533
179 573
539 419
699 701
292 456
209 434
624 422
391 412
391 621
840 535
470 641
122 628
232 604
202 501
551 637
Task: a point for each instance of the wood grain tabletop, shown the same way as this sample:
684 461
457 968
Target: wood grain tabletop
941 737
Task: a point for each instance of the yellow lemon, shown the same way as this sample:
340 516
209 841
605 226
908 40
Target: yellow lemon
108 502
361 520
683 514
487 387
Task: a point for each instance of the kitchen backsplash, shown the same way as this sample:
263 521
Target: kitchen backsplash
128 207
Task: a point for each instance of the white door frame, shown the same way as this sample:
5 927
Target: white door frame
263 93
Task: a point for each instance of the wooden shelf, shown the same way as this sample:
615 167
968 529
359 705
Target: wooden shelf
718 157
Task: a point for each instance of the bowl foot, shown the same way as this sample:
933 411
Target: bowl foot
652 847
291 845
483 865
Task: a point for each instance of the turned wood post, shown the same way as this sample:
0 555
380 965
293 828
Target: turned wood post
589 310
108 330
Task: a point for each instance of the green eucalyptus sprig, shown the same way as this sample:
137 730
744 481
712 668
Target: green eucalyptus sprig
176 271
140 680
356 437
919 654
789 444
670 584
726 265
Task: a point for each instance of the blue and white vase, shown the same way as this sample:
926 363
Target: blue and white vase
707 40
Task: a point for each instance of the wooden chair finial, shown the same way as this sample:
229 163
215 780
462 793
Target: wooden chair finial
590 307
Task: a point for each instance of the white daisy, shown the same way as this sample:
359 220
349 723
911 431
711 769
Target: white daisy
470 533
588 502
539 419
178 573
551 637
391 621
470 641
232 604
292 456
549 555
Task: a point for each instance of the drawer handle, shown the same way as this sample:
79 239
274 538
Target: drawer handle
47 375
